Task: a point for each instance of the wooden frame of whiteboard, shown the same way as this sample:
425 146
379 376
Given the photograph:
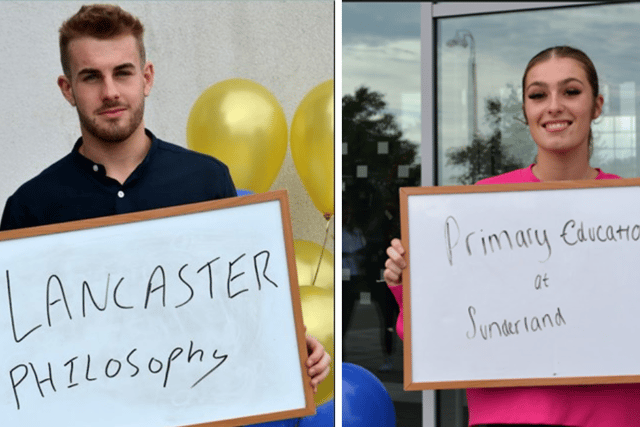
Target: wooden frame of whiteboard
405 193
282 197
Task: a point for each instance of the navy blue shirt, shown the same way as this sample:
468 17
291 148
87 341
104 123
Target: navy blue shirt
76 188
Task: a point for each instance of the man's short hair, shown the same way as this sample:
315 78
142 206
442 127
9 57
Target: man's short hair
102 21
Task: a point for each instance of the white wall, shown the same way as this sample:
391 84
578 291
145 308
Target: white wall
287 47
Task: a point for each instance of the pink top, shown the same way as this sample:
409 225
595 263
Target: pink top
526 175
612 405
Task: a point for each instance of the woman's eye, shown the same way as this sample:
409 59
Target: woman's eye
536 95
573 92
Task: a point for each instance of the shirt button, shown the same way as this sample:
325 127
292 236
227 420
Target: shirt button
95 168
121 194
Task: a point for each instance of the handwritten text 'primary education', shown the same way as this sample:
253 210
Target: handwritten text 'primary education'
482 242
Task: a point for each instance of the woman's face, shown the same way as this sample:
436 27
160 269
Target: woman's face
559 105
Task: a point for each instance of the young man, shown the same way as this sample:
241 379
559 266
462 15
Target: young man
118 166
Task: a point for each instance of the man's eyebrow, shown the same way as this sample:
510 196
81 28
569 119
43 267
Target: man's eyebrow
125 66
88 71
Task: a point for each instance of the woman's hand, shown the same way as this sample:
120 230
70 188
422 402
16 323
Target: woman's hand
395 263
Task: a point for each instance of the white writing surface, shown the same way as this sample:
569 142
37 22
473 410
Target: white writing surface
177 320
522 284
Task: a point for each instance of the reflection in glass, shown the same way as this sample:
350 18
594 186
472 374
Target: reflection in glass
503 44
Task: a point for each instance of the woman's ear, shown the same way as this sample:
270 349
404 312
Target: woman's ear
597 108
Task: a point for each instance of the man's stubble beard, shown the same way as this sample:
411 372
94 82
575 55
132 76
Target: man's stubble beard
113 132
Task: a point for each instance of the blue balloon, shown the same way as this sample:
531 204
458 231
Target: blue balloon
365 401
241 192
293 422
324 417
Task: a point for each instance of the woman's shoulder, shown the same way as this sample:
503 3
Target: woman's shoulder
515 176
605 175
526 175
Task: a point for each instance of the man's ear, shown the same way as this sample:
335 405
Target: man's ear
148 74
67 91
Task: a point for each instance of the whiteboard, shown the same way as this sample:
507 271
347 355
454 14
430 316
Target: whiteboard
521 284
171 317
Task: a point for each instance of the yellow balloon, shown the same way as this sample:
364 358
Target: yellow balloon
307 260
242 124
317 312
312 145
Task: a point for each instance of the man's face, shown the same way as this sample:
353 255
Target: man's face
107 86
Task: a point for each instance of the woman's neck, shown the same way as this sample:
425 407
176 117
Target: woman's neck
563 167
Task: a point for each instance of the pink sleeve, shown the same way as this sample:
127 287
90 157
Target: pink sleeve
397 293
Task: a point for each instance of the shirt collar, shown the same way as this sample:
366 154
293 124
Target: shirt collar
91 166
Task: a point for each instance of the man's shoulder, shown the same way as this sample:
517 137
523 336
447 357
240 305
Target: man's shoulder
51 175
38 193
176 152
176 167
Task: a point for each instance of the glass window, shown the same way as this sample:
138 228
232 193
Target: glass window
380 153
480 62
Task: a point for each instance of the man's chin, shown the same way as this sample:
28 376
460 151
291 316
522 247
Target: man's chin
113 138
111 131
112 135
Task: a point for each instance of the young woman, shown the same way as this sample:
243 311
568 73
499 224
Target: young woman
560 99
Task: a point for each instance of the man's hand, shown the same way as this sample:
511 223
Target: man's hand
317 362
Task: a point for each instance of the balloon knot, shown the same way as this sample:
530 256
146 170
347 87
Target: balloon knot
327 216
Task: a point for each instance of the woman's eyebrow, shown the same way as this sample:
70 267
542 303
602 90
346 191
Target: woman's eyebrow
561 83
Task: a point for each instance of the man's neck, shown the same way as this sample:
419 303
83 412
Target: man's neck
120 159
